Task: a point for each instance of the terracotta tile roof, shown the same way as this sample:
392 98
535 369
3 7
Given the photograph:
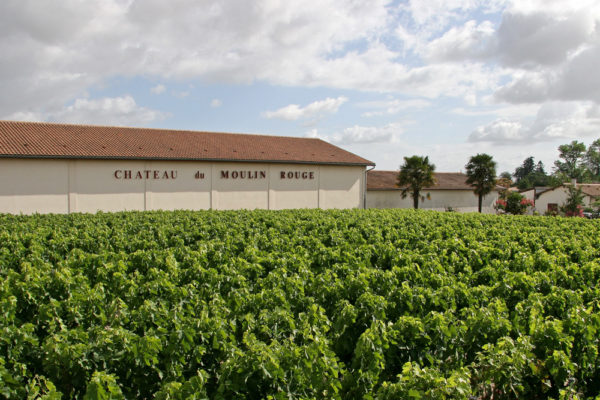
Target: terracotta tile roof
592 190
49 140
589 189
386 180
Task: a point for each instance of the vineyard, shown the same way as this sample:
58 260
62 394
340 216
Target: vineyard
310 304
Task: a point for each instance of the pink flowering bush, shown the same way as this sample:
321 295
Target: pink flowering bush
578 212
527 202
515 203
500 205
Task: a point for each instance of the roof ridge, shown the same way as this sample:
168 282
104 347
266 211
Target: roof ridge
395 170
63 140
156 129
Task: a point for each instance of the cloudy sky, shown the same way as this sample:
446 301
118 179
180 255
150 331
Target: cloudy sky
384 79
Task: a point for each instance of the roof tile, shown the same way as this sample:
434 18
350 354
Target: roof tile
387 180
49 140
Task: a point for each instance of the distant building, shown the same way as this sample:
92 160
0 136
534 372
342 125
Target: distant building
59 168
551 199
450 192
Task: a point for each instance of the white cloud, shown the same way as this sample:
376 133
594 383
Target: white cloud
576 80
525 38
554 120
528 87
542 38
120 111
361 134
49 61
435 15
520 111
52 54
25 116
543 51
215 103
452 157
551 6
313 110
538 51
499 131
470 41
158 89
114 111
393 106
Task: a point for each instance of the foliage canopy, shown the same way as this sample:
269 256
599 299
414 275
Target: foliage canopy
481 174
311 304
415 174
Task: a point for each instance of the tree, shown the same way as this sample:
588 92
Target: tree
573 207
592 159
504 182
530 174
415 174
481 174
573 166
524 170
506 175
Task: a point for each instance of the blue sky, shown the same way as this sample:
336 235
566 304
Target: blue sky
383 79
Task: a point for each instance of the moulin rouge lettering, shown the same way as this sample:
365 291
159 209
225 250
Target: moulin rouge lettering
145 174
225 174
128 174
257 174
296 175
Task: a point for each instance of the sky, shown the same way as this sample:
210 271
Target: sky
384 79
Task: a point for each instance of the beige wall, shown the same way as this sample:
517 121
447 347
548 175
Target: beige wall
238 191
440 200
32 185
62 186
340 188
301 192
529 194
557 196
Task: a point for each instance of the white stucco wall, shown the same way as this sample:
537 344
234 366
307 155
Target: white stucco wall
556 196
439 200
529 194
32 185
62 186
300 191
340 188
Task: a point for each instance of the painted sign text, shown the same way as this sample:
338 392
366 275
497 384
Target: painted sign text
145 174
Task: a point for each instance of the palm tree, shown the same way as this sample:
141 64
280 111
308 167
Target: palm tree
481 174
415 174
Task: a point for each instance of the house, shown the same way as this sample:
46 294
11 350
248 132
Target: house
550 200
450 192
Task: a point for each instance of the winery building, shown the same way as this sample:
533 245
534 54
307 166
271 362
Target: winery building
450 192
60 168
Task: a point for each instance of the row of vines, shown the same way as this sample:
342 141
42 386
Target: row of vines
308 304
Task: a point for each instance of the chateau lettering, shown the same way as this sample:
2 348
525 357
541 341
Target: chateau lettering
128 174
145 174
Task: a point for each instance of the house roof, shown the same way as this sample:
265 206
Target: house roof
538 190
592 190
49 140
387 180
589 189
